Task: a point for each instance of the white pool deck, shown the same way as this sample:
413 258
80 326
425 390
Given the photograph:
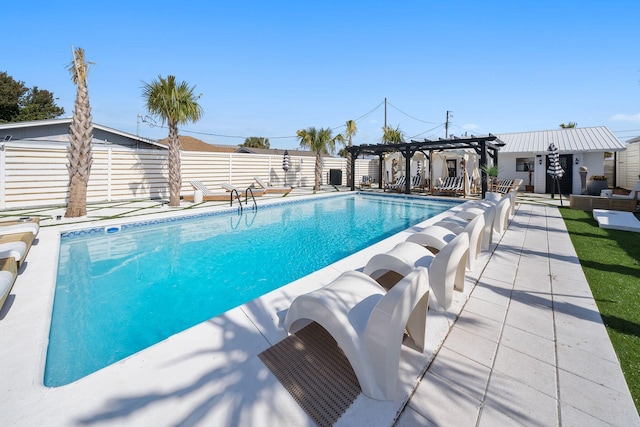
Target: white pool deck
528 348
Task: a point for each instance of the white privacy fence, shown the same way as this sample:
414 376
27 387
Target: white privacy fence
35 174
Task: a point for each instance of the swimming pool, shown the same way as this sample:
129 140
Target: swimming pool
122 289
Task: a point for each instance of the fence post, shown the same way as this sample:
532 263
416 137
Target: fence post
109 174
3 179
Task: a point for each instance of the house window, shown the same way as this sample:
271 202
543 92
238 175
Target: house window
452 167
525 164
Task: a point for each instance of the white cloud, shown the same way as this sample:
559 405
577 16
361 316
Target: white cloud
626 117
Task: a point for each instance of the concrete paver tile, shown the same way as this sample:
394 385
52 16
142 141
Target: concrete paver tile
444 405
527 370
520 402
472 346
461 372
533 345
601 402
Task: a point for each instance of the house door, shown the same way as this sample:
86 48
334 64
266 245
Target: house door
452 167
566 182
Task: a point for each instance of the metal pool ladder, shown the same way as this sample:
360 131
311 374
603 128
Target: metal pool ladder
246 199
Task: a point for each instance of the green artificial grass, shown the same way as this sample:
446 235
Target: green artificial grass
611 263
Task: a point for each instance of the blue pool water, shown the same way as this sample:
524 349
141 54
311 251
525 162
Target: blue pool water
126 288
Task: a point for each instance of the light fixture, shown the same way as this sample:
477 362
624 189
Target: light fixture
577 161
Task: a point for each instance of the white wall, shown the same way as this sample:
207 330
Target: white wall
628 166
33 174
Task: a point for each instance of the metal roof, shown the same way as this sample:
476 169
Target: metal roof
571 140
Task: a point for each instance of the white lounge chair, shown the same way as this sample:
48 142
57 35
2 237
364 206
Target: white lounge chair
368 323
446 268
634 194
489 213
503 208
268 188
21 227
438 237
8 273
16 250
230 187
207 194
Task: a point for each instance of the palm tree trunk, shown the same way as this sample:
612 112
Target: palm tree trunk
80 137
77 205
318 172
175 177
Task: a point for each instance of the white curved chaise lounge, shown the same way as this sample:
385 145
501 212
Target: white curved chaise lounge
438 237
368 323
489 213
446 269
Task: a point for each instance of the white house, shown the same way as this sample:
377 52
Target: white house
525 155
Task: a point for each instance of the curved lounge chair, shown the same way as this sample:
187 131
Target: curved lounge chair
438 237
446 269
368 323
489 214
503 208
268 188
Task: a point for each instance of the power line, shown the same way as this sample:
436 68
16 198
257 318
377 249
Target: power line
410 116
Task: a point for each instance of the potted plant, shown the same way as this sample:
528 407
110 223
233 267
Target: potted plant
491 175
596 184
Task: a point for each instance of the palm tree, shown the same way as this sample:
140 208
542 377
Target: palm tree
176 104
392 136
320 142
80 136
350 132
569 125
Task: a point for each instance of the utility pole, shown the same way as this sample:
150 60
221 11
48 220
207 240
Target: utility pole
446 126
385 112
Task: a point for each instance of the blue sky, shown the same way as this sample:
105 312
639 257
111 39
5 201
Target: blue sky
268 68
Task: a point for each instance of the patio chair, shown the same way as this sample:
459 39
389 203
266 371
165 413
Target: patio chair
16 250
489 213
207 194
268 188
19 227
397 186
446 268
366 181
435 238
416 182
634 194
230 187
451 185
368 323
8 274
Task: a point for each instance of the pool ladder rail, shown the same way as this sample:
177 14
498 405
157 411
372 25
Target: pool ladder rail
248 191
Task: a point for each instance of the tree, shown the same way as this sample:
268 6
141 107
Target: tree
256 142
350 131
19 103
320 142
391 135
80 136
569 125
176 104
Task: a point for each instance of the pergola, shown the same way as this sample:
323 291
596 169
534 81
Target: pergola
484 146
